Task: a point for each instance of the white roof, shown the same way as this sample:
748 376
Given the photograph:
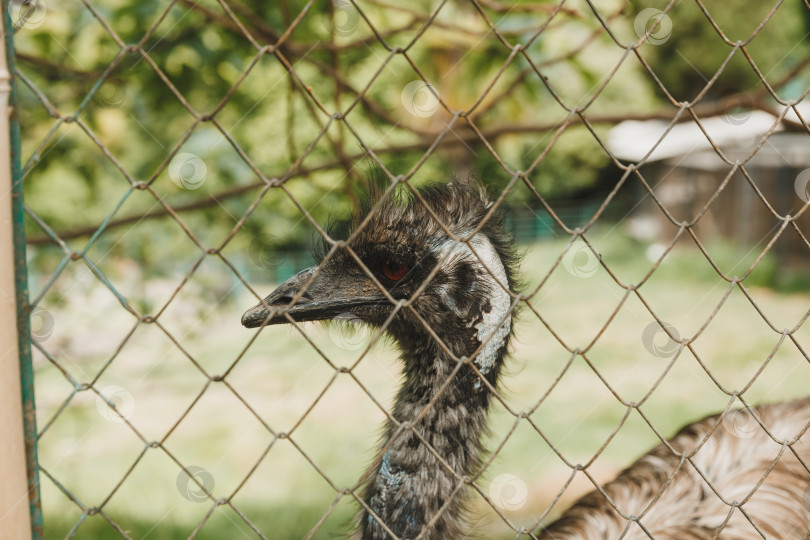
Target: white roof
632 140
736 133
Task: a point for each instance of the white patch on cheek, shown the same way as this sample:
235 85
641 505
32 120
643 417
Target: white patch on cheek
490 329
447 298
448 251
494 326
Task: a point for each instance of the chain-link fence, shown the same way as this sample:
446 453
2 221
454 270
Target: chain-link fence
178 158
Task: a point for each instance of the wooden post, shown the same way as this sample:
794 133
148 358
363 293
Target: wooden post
15 517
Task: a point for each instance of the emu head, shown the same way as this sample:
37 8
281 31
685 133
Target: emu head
442 266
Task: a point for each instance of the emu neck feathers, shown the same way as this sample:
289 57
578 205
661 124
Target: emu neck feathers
416 485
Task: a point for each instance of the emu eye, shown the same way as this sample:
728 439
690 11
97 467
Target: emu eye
394 270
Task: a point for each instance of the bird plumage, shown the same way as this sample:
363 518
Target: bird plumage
452 303
436 270
696 479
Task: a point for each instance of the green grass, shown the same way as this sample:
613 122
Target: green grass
333 423
287 522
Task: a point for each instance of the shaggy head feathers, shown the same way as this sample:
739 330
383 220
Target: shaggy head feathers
426 234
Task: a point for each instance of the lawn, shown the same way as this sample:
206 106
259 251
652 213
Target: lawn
284 382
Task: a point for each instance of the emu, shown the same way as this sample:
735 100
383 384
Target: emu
438 274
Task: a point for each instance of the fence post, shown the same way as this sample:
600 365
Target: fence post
19 486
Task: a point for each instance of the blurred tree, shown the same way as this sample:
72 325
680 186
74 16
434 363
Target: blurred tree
695 50
131 111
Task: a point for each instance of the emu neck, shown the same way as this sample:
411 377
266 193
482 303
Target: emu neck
415 489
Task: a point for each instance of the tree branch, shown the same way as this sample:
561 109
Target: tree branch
467 137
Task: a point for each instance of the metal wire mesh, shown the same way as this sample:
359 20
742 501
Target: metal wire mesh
440 128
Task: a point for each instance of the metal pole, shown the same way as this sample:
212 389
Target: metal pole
20 517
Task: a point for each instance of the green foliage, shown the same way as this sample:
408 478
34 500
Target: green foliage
695 50
115 120
140 111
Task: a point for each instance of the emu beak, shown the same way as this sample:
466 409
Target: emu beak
327 297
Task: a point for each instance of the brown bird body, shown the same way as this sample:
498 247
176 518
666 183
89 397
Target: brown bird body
436 272
727 460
